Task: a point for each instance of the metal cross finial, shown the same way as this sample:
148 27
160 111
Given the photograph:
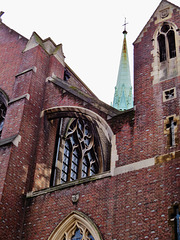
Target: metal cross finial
125 23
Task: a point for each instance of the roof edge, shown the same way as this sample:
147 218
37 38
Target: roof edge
152 17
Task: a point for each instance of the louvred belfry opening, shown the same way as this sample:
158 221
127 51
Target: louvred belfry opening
166 40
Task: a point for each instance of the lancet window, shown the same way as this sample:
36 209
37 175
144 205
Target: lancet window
76 226
171 126
167 44
3 109
174 221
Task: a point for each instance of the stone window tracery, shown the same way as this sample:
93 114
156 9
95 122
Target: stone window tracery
78 152
78 232
80 155
165 52
166 40
169 94
76 226
82 147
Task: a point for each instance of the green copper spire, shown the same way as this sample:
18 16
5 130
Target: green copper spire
123 98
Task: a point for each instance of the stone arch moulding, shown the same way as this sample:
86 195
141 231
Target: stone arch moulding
74 111
69 224
5 94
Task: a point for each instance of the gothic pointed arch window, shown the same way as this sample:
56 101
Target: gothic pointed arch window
76 226
167 43
83 145
80 152
3 109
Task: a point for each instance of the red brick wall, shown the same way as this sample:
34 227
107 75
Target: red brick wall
132 205
22 118
11 46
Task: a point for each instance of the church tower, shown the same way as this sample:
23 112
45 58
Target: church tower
123 99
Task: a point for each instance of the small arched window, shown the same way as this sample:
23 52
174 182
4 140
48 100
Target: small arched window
166 41
3 109
76 226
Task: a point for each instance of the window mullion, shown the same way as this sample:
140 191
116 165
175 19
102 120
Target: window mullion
69 166
167 48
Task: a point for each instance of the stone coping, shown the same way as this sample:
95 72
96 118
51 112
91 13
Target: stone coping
68 184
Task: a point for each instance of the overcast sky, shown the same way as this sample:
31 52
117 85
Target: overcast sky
90 31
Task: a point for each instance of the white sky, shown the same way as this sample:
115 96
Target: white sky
90 31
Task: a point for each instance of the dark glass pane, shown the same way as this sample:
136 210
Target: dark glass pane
3 108
165 28
65 165
63 177
66 151
65 168
90 237
73 140
74 167
84 168
73 176
86 130
92 170
77 235
172 45
162 47
87 141
80 125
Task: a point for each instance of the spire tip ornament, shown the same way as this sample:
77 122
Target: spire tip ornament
123 98
125 23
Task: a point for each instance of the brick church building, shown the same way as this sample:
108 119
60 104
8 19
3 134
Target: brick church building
73 167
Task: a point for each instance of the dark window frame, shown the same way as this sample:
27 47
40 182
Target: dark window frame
167 43
3 110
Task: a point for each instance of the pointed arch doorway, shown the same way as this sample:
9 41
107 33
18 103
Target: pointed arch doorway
76 226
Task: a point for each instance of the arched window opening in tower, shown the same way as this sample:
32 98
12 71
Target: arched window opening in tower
174 221
162 47
3 109
171 127
166 41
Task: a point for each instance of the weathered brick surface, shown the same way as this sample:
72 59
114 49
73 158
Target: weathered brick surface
11 45
135 207
132 205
